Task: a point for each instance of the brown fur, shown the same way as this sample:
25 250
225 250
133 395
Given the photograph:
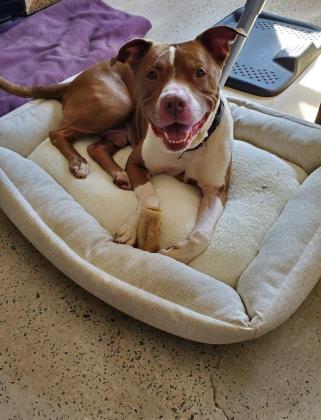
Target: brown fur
116 96
117 100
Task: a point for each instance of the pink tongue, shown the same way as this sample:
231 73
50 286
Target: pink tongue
177 132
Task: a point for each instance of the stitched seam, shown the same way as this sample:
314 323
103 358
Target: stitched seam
285 280
31 104
295 120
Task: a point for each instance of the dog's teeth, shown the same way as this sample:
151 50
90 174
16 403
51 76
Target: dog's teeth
175 141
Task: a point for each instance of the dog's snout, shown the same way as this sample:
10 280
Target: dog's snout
177 103
173 104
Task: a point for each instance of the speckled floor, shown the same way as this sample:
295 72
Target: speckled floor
66 355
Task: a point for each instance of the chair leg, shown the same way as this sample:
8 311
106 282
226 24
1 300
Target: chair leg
318 117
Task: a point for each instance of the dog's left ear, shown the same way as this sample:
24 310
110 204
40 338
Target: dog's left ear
217 41
132 52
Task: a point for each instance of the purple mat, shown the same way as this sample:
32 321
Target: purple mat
62 40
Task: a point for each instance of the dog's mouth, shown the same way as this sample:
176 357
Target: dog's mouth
179 136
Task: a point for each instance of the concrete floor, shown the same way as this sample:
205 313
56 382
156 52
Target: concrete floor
66 355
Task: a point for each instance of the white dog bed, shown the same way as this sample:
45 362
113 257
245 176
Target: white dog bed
264 256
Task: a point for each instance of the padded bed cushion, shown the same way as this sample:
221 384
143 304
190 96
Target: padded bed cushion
264 254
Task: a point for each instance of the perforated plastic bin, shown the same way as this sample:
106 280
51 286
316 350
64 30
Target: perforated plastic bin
276 52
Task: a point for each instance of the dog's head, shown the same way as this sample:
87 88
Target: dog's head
177 85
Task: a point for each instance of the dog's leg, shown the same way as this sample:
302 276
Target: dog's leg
102 152
62 139
211 207
145 193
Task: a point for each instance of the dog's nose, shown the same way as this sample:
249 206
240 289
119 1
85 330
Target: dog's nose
173 104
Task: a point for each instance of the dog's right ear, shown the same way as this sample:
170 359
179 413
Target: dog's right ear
132 52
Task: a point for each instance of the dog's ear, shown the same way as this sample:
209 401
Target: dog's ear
217 41
132 52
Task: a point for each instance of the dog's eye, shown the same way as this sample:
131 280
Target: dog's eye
200 73
152 75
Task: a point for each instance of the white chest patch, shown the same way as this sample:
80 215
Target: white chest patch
157 158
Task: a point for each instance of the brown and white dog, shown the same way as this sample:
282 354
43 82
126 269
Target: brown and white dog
163 99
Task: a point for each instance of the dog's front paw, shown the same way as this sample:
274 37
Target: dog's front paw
122 181
186 251
79 168
127 234
181 252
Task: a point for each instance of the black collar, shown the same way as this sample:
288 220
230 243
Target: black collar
214 125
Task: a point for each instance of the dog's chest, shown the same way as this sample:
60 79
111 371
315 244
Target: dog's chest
205 166
208 165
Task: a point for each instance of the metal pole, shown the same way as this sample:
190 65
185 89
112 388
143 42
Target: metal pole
248 18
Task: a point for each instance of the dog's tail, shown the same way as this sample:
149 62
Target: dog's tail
37 92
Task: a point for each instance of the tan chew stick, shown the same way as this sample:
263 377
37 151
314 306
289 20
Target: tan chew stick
149 229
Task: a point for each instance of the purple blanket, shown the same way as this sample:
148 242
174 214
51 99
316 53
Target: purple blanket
61 41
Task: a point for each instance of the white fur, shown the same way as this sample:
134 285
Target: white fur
147 196
210 210
179 88
172 53
207 165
